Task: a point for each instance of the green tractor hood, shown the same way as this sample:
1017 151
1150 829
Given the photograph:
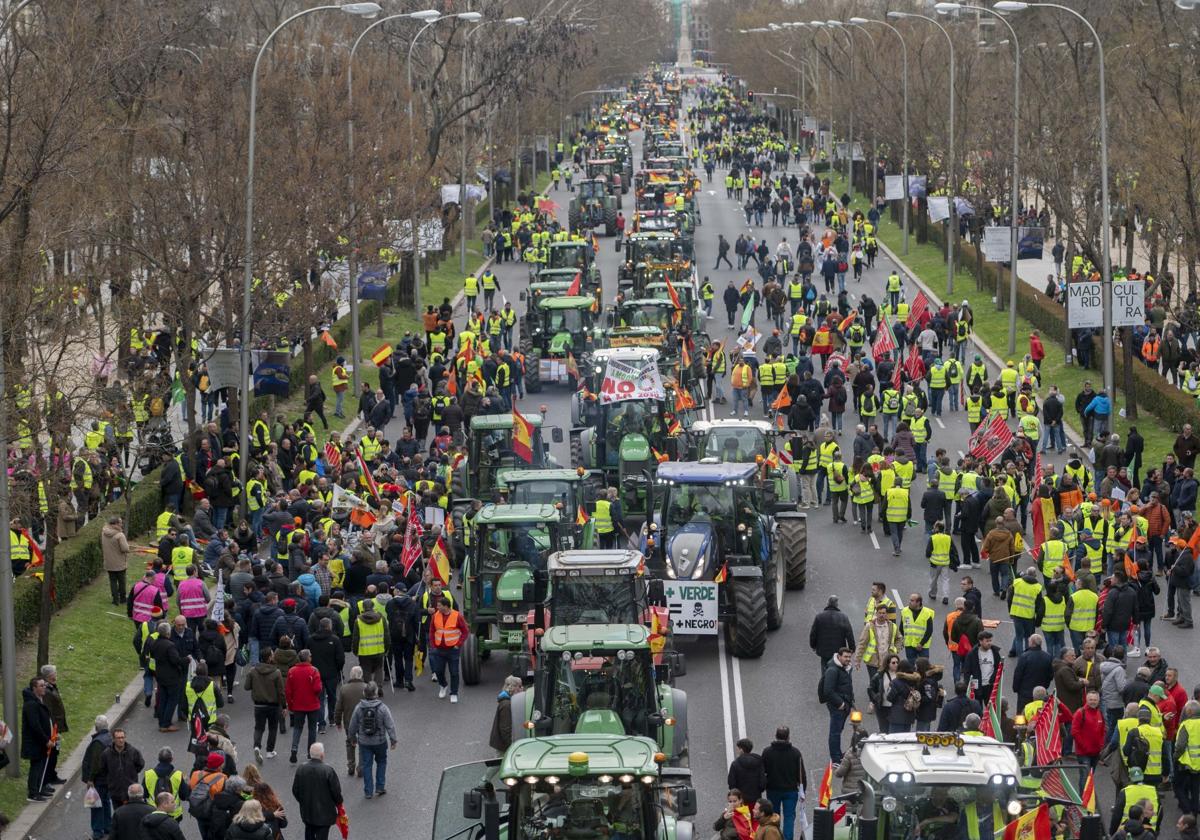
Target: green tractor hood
635 447
599 722
511 586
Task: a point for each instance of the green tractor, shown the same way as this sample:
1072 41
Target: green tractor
565 260
693 314
593 206
509 548
614 171
649 247
489 450
557 340
718 544
567 786
740 441
600 679
567 489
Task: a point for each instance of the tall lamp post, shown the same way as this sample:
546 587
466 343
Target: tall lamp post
367 10
352 262
952 222
838 25
947 8
1105 210
8 623
462 163
470 17
860 21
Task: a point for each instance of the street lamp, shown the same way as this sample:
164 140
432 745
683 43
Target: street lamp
952 221
837 25
462 163
366 10
947 8
1105 211
352 265
430 16
861 21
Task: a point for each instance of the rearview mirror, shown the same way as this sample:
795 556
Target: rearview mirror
656 592
529 591
472 805
522 295
685 801
522 663
556 434
678 663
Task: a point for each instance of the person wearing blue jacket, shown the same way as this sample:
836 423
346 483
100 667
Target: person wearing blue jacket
312 589
1100 410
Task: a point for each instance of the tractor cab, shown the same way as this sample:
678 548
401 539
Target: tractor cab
567 786
489 449
557 340
937 785
737 441
576 255
600 679
645 312
649 247
594 205
614 173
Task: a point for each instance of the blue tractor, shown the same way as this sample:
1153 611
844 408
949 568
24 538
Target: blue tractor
714 539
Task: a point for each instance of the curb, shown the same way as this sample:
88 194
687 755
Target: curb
31 815
993 358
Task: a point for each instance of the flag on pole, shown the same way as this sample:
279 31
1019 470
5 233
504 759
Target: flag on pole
576 284
1043 518
897 377
674 295
1089 792
381 355
1037 471
825 793
913 366
748 312
218 599
1032 825
572 366
847 321
920 306
328 339
439 561
991 723
748 285
368 479
581 516
991 438
522 437
333 456
782 401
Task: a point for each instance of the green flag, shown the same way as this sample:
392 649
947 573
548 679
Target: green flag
748 311
176 390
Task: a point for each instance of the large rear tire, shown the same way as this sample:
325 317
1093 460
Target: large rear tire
773 589
472 664
573 217
533 374
610 221
577 450
791 536
746 634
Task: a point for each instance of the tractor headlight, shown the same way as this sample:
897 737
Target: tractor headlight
1013 808
889 804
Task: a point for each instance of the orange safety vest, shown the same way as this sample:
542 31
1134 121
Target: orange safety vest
952 645
743 376
446 632
1150 350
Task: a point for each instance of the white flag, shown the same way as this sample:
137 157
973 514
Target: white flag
218 607
343 499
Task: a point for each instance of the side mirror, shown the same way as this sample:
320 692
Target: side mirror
529 591
678 664
522 295
656 592
472 805
556 434
522 664
685 801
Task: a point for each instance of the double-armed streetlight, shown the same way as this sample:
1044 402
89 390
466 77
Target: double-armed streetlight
365 10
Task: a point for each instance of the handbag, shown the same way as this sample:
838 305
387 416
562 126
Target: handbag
242 657
842 267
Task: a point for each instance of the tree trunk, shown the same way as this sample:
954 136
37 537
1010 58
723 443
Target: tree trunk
1129 387
1130 240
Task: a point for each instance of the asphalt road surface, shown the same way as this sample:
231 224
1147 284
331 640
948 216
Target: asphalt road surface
728 698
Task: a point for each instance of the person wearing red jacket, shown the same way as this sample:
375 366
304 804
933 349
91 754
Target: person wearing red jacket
448 630
1087 733
1037 351
303 693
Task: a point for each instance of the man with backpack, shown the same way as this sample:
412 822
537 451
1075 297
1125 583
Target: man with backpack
404 624
373 729
205 785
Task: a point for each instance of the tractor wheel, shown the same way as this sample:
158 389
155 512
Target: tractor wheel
460 549
533 374
472 664
573 217
458 481
791 537
773 589
746 634
576 450
526 345
610 221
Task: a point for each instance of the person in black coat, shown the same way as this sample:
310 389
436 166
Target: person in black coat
127 820
170 484
837 688
319 791
957 708
328 657
160 824
830 632
974 669
786 776
1035 668
747 772
36 739
170 670
225 806
404 625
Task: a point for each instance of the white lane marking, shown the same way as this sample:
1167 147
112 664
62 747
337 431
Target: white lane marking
961 454
874 541
739 703
938 420
900 602
726 717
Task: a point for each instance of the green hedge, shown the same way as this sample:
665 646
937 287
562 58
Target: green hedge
818 166
79 560
1170 405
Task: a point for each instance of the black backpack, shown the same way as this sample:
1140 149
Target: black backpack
200 801
369 725
822 697
1137 750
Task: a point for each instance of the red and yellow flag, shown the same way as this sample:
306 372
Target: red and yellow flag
674 294
847 321
381 355
673 428
1034 825
658 456
825 793
723 574
684 400
439 561
1089 792
572 366
581 516
522 438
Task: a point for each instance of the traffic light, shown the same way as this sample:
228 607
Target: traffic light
750 95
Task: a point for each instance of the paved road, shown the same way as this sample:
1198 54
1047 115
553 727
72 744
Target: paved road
729 698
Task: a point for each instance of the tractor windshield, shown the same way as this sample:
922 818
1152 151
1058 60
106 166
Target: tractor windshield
526 541
597 691
646 315
584 808
543 492
574 257
941 812
690 502
651 250
565 320
592 189
595 599
735 445
630 417
495 449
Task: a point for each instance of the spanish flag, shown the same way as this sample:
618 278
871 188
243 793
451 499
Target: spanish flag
439 561
381 355
847 321
572 366
684 400
825 793
522 438
674 428
581 517
747 286
685 355
1089 792
674 294
658 456
1034 825
723 574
